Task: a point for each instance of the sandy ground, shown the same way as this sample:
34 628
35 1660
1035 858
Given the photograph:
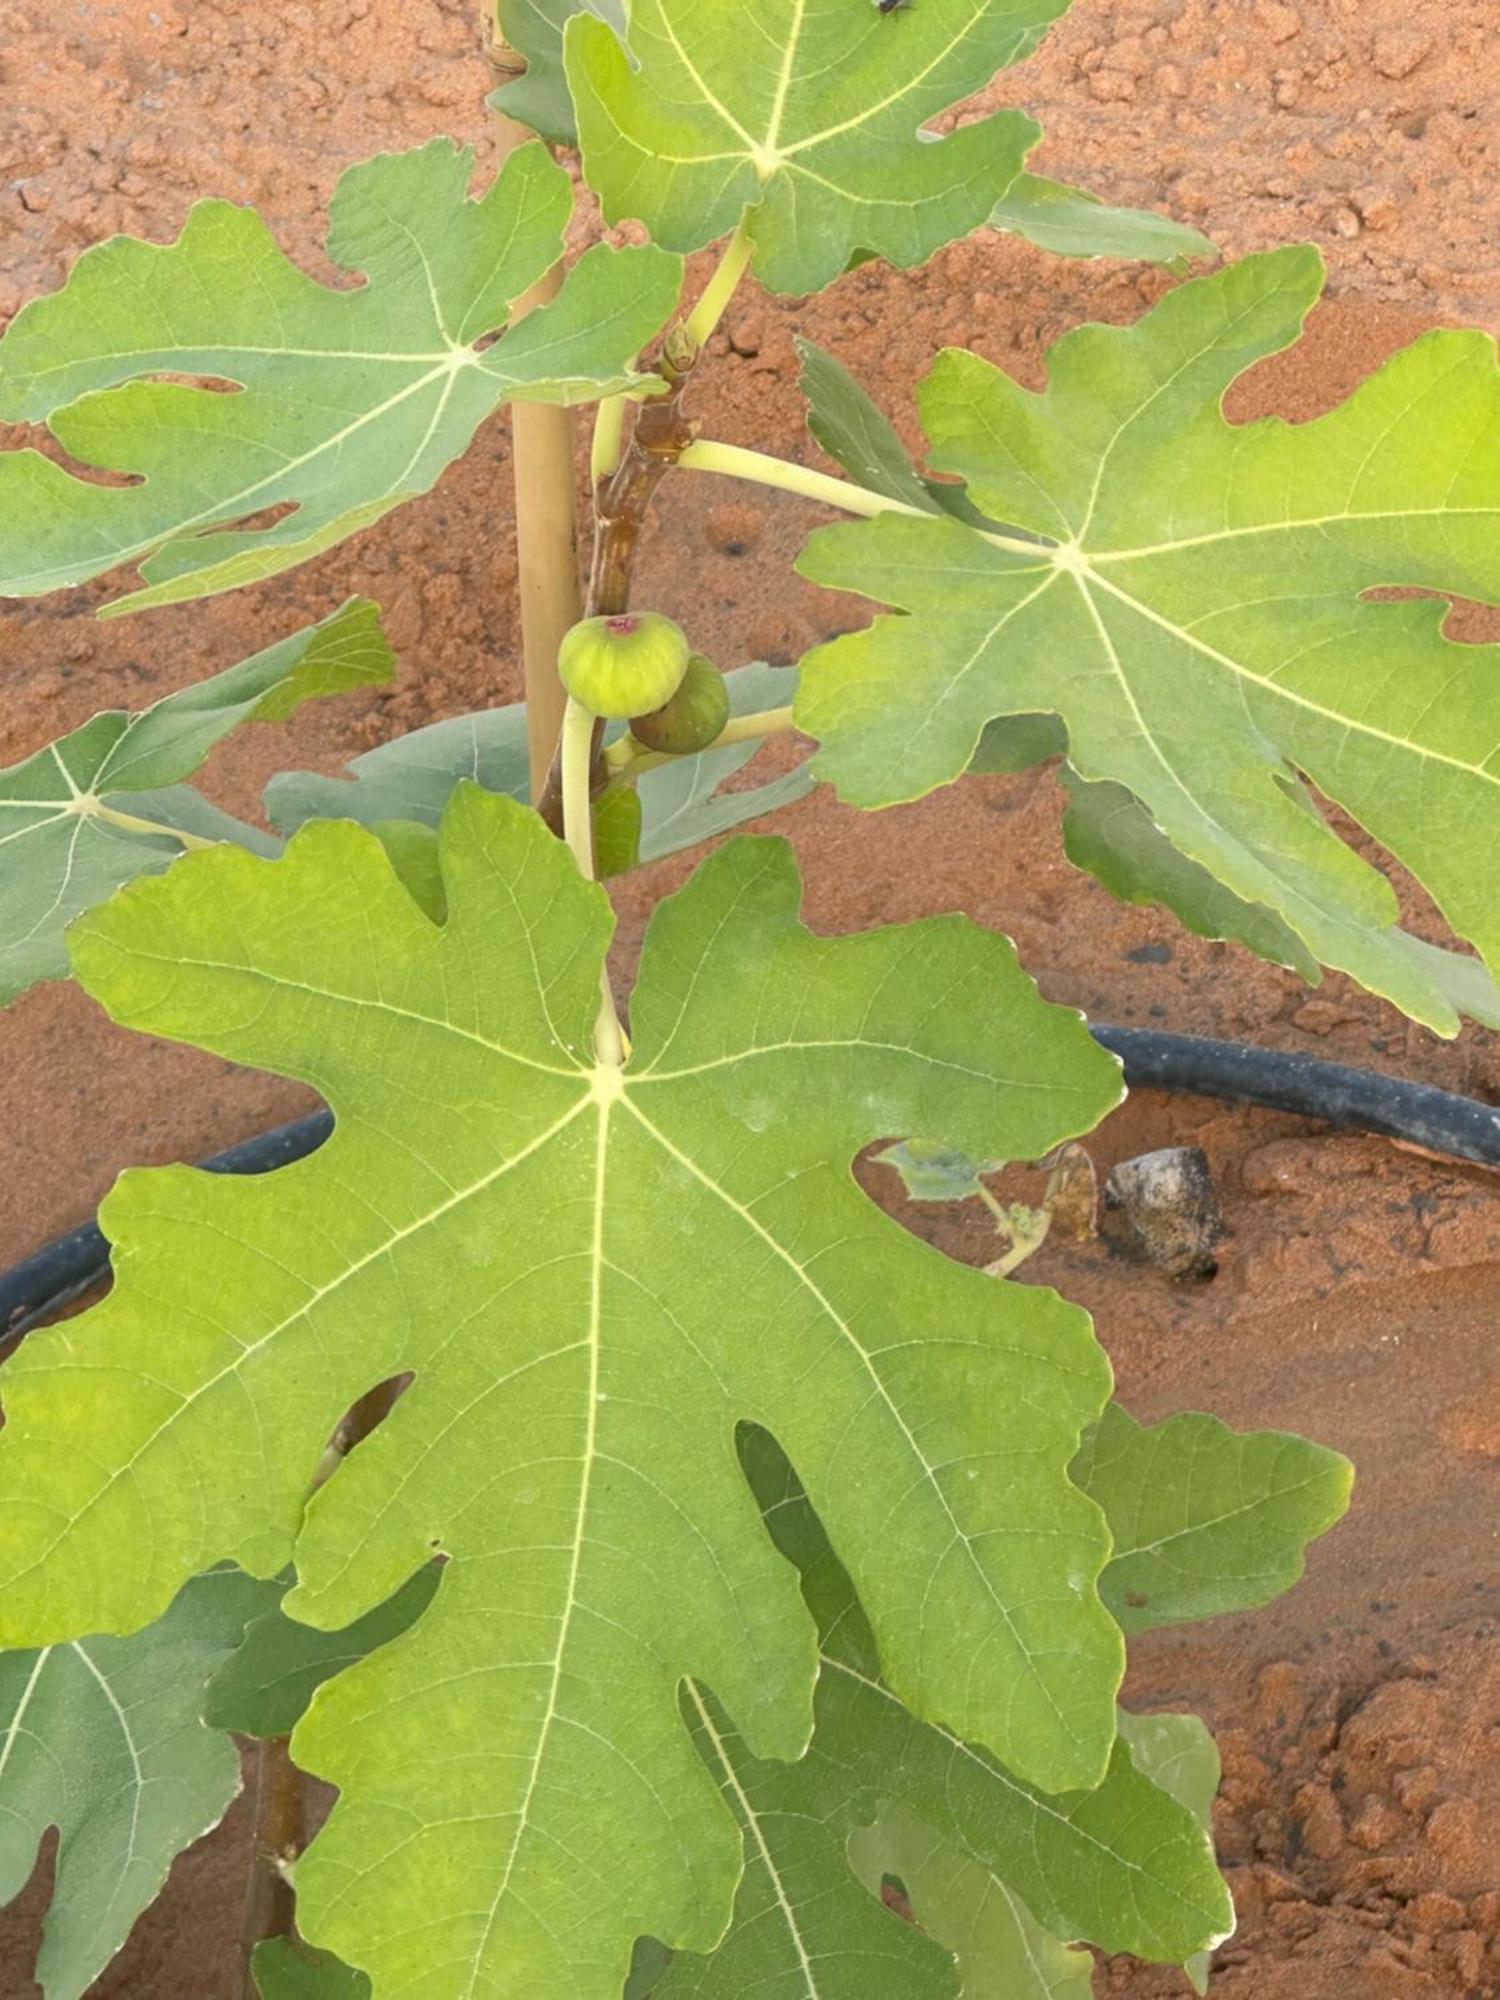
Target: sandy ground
1357 1294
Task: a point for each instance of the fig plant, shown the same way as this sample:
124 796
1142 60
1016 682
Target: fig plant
691 1582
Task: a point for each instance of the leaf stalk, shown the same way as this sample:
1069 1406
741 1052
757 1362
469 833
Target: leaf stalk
720 289
578 830
628 756
134 823
734 461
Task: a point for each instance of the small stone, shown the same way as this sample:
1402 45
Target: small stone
1399 51
1346 222
1169 1208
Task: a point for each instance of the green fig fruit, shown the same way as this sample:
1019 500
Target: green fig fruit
624 665
693 717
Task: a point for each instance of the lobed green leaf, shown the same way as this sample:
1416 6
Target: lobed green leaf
1200 616
1178 1753
490 1196
1205 1519
345 401
539 97
1071 222
804 117
1126 1865
1002 1952
62 856
102 1738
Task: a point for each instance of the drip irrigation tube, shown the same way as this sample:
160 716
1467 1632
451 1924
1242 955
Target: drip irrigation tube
1279 1080
1360 1099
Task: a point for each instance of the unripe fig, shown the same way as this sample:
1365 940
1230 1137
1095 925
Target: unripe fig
625 665
693 717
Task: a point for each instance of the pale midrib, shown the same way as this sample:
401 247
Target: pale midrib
870 112
1238 1513
727 116
279 980
769 145
1024 1926
220 510
1217 338
135 1756
860 1042
753 1827
835 1318
315 1298
1293 904
208 350
784 80
80 823
13 1731
1351 516
1349 724
956 679
1147 735
54 810
575 1562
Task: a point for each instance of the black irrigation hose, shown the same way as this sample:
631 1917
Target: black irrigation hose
33 1290
1359 1098
1278 1080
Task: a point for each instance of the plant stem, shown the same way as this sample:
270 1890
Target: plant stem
1024 1243
660 434
542 473
578 831
735 462
626 754
280 1830
719 290
131 823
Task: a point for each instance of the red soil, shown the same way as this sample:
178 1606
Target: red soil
1359 1717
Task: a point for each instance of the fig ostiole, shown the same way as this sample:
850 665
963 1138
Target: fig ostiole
694 716
624 665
